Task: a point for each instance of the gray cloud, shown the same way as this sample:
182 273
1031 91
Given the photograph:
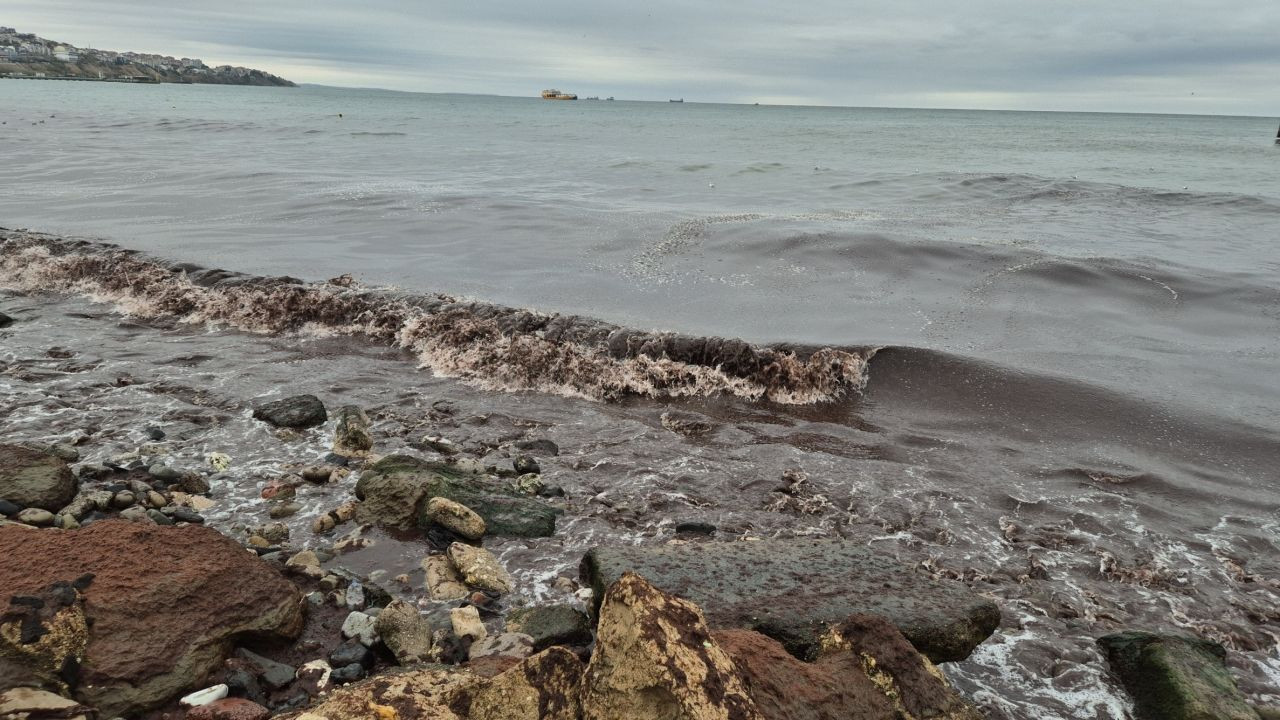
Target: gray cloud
1143 55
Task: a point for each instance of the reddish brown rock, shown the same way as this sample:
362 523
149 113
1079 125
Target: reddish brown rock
785 688
229 709
163 608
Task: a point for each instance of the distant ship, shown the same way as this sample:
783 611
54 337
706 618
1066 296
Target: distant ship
680 100
557 95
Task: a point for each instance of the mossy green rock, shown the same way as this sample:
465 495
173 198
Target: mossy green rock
395 490
795 590
1176 678
551 625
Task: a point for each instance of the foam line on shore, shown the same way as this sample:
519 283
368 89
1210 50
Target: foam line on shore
487 345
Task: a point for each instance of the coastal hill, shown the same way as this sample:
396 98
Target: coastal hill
27 55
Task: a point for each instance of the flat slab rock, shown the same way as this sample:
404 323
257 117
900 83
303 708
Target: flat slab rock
795 590
164 604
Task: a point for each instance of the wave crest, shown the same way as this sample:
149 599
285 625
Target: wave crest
487 345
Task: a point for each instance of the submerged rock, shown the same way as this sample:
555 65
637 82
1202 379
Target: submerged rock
738 585
655 658
1176 678
33 479
396 489
163 607
299 411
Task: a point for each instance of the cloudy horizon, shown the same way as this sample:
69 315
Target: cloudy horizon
991 54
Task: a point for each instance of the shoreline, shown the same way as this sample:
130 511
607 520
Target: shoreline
470 430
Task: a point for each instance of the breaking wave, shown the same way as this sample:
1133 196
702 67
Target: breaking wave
488 345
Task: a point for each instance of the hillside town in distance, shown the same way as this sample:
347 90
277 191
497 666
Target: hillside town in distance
28 56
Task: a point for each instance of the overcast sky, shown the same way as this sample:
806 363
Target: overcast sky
1193 56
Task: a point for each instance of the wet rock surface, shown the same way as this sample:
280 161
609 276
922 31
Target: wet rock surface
299 411
395 492
163 606
33 479
1176 677
793 591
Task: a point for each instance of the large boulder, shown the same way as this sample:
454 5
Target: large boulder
546 686
299 411
30 478
163 607
655 658
550 625
425 691
20 703
796 590
1176 678
396 490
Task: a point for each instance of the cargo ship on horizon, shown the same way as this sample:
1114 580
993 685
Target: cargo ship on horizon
557 95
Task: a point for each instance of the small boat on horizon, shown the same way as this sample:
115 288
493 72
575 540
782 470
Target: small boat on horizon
557 95
680 100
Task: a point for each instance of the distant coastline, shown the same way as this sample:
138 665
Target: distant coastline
28 56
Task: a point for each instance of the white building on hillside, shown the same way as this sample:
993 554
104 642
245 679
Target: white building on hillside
65 54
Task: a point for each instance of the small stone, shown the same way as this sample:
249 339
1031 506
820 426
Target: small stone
35 516
345 511
529 484
468 465
443 581
8 509
158 517
193 483
330 582
181 514
305 563
565 585
318 474
456 517
444 446
280 489
351 651
361 627
515 645
479 568
351 432
5 320
164 473
466 623
276 532
200 503
299 411
218 461
353 541
285 509
123 499
153 433
355 595
135 514
244 684
323 524
230 708
156 500
525 464
275 674
205 696
315 677
348 674
405 633
67 522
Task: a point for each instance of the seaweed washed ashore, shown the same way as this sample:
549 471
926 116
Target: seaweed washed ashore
327 624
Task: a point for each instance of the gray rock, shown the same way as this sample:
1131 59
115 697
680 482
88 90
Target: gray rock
193 483
8 509
159 518
351 436
525 464
284 509
135 514
299 411
793 590
349 673
551 625
35 516
1176 678
360 626
182 514
516 645
395 491
351 651
404 632
33 479
164 473
5 320
274 674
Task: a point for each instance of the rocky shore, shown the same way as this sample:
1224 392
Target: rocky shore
118 602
